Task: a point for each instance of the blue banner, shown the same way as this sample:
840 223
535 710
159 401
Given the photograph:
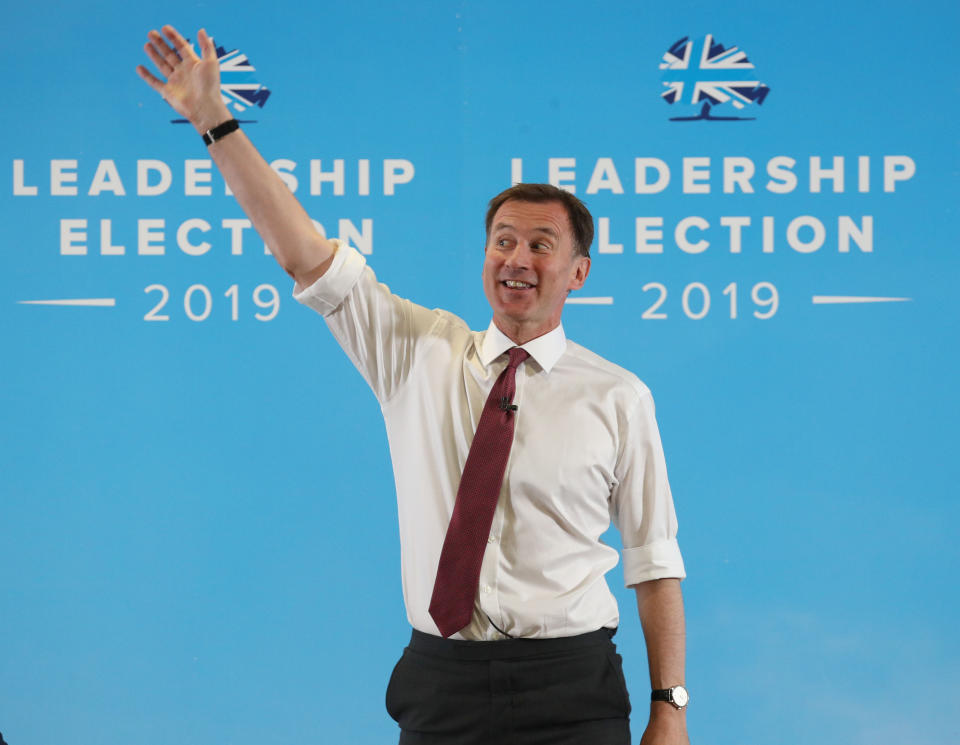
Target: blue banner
199 524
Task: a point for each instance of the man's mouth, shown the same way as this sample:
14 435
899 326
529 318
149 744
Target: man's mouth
516 284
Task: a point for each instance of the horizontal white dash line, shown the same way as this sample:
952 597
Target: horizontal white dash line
590 300
103 302
824 299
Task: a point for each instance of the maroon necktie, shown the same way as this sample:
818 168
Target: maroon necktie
459 570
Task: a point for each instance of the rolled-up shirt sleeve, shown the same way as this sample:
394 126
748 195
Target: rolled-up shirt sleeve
642 504
379 331
328 292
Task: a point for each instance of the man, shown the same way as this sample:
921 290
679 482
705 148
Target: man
512 450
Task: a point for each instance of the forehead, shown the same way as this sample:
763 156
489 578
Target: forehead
533 216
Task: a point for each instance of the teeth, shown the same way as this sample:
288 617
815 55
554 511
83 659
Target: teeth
516 285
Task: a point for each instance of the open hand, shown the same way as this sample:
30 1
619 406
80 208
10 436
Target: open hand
192 83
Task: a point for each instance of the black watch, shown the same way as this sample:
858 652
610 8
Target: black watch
677 696
220 131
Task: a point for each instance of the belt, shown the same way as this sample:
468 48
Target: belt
505 648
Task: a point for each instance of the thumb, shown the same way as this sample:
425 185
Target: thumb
207 49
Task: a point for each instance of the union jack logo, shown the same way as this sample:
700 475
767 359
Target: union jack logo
237 86
707 72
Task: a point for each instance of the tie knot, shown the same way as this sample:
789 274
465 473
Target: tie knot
517 356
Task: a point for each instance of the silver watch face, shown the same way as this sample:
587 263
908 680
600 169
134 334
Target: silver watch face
680 696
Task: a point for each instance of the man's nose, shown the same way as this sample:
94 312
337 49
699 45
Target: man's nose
519 257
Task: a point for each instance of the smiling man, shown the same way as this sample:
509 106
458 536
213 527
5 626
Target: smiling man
513 450
533 258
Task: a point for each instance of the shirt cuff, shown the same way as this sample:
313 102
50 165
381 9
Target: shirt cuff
653 561
326 294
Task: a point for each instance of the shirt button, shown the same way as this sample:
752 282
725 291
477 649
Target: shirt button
487 589
492 539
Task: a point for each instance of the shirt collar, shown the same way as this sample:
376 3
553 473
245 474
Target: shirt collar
546 349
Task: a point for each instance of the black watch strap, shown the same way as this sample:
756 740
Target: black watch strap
677 696
220 131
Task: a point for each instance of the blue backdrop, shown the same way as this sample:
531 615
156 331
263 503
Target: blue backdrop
196 502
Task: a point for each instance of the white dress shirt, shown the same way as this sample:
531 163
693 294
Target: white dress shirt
586 450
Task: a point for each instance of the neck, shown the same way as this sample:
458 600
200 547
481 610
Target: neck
520 333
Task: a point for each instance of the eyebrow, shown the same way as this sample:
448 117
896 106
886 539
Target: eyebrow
546 229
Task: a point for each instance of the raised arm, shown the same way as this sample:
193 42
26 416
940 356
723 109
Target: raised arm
191 85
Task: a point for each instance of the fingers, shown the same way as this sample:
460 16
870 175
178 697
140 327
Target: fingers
151 80
167 57
160 43
179 42
161 62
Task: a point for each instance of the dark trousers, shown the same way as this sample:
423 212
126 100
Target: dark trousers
567 691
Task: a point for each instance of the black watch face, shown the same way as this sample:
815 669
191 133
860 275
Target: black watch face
680 696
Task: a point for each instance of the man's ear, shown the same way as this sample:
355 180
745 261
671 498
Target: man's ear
580 273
